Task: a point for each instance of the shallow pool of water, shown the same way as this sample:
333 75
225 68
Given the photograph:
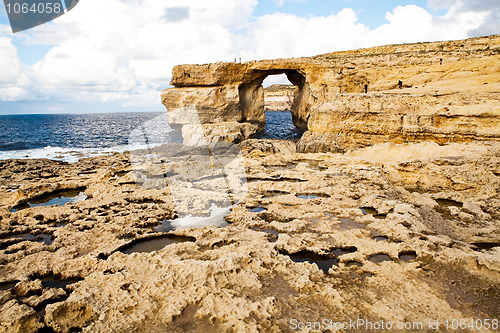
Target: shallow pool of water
449 203
347 223
484 246
323 262
408 255
8 285
380 238
276 193
42 238
374 212
380 257
312 195
57 282
258 209
216 218
154 244
58 198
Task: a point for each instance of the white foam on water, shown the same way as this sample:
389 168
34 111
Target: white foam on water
159 130
68 154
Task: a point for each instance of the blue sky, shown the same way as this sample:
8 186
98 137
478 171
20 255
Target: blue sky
116 56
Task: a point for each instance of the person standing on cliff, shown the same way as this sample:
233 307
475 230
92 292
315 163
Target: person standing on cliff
400 84
366 88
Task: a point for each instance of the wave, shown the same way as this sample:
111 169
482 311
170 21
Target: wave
72 137
69 154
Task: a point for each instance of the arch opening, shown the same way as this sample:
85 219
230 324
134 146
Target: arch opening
288 123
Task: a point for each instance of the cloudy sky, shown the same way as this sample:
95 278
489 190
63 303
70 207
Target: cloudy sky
117 55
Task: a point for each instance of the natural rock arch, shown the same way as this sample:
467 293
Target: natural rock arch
251 96
349 99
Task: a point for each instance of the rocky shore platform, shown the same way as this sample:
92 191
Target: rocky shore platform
399 233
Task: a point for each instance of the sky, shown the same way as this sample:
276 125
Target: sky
117 55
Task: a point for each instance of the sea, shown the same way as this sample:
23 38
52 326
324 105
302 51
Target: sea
279 126
69 137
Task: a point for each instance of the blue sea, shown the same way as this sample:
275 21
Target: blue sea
70 137
279 126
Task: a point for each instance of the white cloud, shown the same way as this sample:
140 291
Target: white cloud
441 4
414 24
466 5
176 14
490 25
487 10
11 65
115 49
275 79
3 12
11 68
283 35
124 50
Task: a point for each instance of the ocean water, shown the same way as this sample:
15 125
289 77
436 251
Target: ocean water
72 136
69 137
279 126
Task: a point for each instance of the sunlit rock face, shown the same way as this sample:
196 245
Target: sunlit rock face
440 91
279 97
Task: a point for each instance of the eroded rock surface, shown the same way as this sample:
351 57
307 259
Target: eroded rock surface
393 232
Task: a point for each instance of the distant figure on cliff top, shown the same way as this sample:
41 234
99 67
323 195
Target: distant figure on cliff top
366 88
440 61
400 84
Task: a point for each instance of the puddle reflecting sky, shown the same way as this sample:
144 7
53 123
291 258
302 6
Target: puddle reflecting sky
58 198
216 218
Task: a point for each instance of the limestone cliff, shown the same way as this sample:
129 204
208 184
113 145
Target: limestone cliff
279 97
440 91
